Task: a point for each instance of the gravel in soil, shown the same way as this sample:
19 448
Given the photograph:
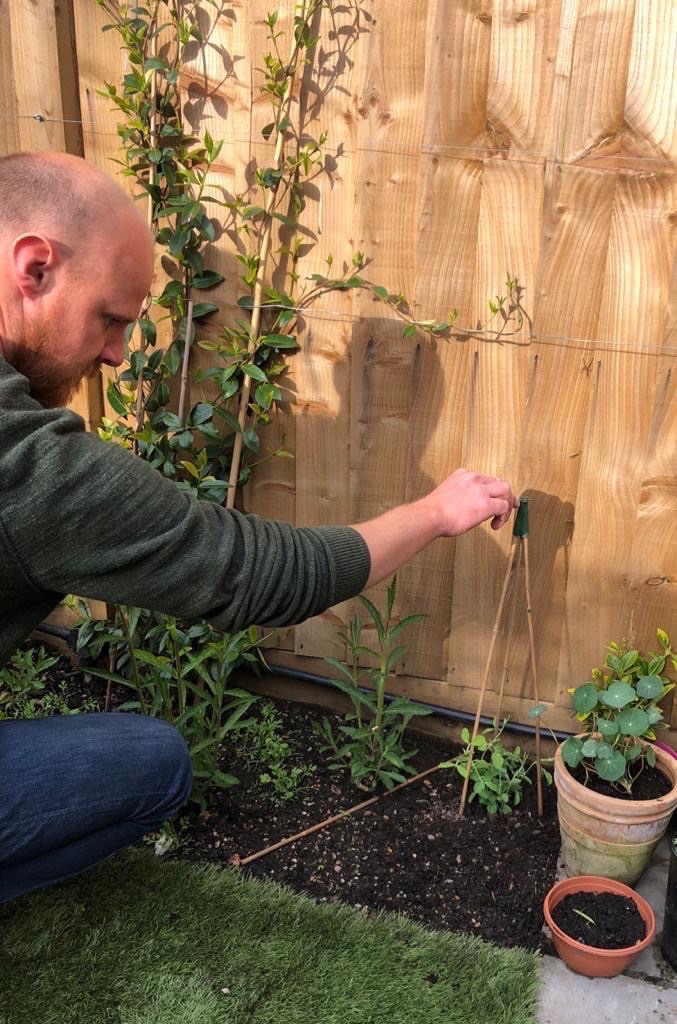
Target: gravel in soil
611 921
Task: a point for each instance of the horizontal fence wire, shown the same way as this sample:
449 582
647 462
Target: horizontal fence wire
648 165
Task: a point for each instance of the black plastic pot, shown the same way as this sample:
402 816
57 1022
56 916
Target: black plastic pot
669 944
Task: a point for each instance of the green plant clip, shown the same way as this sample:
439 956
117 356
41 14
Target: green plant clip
521 525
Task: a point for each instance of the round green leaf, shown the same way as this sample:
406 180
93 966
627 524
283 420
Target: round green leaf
633 752
537 710
590 748
608 728
649 687
572 752
633 722
585 698
611 768
654 714
618 695
604 750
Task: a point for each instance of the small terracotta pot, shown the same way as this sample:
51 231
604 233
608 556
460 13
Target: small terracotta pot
588 960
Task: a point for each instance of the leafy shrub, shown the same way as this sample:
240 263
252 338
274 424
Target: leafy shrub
618 709
370 739
497 774
179 673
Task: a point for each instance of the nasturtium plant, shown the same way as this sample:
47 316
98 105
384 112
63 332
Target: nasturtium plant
619 710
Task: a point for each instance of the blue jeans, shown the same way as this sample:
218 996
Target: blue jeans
75 789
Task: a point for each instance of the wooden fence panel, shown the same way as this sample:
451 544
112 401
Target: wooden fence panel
467 139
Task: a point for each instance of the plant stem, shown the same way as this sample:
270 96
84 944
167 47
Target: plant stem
132 660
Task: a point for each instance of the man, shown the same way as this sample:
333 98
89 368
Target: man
81 516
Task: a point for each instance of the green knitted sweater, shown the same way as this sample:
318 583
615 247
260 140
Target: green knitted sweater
80 515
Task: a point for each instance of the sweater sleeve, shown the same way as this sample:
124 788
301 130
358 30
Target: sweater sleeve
85 516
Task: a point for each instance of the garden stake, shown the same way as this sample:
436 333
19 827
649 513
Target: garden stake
520 533
508 645
487 665
301 12
532 647
186 354
241 861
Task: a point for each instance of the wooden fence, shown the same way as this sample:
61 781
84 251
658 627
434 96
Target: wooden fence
468 139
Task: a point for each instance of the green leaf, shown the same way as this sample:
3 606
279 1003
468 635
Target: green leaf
590 748
611 768
207 279
633 722
649 687
604 750
618 695
608 727
202 412
572 752
251 439
585 698
201 309
632 753
155 64
409 331
663 639
650 756
537 710
250 212
255 372
279 341
654 714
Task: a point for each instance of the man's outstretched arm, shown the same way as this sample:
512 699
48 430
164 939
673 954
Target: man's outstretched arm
462 501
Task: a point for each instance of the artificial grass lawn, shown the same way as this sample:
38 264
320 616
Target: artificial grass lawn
140 941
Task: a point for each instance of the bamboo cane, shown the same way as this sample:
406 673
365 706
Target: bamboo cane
301 8
532 655
509 636
186 355
242 861
485 677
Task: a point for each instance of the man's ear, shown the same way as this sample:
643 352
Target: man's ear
34 260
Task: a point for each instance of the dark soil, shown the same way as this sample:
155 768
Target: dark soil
650 784
616 921
410 852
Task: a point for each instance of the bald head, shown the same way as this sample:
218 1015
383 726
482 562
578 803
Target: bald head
59 194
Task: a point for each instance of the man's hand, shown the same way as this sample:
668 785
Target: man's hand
463 501
466 499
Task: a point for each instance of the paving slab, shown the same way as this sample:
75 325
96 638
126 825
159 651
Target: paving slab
645 994
569 998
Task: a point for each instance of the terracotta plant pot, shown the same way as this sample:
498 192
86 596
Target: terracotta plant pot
603 835
588 960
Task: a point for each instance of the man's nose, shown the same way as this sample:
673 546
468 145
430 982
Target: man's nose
113 353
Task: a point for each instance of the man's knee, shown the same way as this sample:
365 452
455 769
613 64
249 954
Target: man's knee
166 751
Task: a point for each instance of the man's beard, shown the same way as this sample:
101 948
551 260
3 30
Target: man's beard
51 385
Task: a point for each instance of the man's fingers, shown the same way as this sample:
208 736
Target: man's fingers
501 510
